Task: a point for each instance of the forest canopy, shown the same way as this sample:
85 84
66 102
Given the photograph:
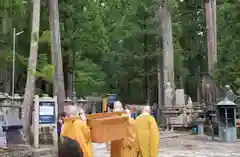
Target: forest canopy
111 46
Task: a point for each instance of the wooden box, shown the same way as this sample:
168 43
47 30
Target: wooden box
107 127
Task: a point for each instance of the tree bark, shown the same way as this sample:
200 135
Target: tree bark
210 8
70 77
58 83
66 68
32 63
212 57
214 16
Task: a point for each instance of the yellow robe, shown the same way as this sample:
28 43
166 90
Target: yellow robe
147 136
77 130
126 146
129 143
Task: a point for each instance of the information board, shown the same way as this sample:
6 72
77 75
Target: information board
46 112
112 98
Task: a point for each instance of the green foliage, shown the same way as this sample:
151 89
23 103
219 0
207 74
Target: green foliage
89 77
228 67
46 73
114 42
45 37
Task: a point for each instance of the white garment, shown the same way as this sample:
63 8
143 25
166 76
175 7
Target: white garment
117 109
128 113
83 115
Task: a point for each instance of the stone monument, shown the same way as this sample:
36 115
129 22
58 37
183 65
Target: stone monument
185 118
168 98
180 97
189 103
229 93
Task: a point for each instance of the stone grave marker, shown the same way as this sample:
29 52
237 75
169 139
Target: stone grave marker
180 97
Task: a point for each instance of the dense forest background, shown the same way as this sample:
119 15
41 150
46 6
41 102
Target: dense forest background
112 46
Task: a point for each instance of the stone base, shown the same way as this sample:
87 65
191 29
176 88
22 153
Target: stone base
3 142
45 152
25 151
16 150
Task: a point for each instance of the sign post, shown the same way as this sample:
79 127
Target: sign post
36 122
45 115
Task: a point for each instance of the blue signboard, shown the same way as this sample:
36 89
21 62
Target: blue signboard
112 98
47 112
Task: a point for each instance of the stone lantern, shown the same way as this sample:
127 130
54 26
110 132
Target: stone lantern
18 100
81 101
68 102
14 112
82 104
2 99
3 140
2 110
226 112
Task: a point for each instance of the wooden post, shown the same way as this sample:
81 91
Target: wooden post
54 133
32 64
116 148
36 122
58 83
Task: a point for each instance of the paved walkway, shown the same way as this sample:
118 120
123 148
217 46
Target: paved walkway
174 144
191 146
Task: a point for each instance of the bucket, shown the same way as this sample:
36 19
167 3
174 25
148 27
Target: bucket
194 130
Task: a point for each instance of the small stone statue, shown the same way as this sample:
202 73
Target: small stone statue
168 101
186 117
189 103
74 97
229 93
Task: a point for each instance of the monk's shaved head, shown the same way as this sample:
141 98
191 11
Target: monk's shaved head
72 111
118 106
146 109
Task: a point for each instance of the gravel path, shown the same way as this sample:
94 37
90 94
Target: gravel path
184 145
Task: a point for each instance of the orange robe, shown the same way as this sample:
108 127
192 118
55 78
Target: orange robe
78 131
148 137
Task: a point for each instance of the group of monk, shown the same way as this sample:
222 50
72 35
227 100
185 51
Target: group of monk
142 139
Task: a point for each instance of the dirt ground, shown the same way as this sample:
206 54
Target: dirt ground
174 144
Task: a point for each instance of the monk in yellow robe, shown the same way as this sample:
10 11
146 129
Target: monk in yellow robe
126 146
76 136
129 143
147 134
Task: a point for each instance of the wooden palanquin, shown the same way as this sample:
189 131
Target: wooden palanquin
107 127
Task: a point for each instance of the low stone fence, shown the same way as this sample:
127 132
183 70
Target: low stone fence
11 140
